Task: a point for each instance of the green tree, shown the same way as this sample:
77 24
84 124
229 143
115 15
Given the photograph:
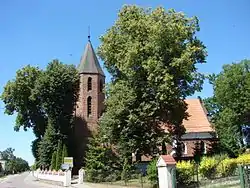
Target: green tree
53 161
152 173
7 154
101 162
13 164
64 152
151 56
47 146
59 155
36 95
229 107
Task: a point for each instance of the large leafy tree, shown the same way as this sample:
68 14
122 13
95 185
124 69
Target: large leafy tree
229 107
151 56
38 95
7 154
13 163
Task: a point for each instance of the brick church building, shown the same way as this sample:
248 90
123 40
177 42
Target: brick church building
91 105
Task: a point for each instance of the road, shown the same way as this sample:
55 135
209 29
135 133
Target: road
24 180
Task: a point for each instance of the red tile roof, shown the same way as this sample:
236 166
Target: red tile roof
168 159
197 120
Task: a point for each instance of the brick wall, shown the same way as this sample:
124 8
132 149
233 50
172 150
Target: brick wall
190 147
85 125
97 96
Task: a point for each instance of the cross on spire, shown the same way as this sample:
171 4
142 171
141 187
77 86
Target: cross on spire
88 33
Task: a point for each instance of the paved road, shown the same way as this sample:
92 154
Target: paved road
24 180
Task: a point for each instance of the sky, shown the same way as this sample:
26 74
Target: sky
35 32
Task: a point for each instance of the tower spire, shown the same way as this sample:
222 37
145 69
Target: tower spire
88 33
89 62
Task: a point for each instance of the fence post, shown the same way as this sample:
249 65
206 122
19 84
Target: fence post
242 182
173 177
165 166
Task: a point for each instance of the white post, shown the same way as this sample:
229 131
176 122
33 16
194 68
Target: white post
81 176
67 180
165 164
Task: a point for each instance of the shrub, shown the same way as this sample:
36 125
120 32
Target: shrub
226 167
185 172
152 173
243 159
53 161
101 163
207 167
220 157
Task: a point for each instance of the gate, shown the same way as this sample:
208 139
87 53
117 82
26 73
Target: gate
244 171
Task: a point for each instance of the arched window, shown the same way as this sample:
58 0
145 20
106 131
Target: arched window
89 83
101 86
89 105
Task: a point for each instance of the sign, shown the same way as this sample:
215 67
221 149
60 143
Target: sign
65 166
69 161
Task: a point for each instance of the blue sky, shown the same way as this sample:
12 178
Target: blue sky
35 32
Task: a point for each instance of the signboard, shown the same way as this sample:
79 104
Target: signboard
68 160
65 166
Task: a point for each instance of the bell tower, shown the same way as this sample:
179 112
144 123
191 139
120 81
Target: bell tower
92 79
90 104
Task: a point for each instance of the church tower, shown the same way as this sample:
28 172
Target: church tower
90 104
92 79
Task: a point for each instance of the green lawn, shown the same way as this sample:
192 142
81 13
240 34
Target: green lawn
231 182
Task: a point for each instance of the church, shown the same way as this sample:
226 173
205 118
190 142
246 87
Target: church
90 107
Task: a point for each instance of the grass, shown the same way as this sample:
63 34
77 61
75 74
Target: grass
133 183
231 182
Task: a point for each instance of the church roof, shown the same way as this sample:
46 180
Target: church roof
89 62
197 120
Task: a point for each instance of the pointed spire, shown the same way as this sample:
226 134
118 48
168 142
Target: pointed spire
89 62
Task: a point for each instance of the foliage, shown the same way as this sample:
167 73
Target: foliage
34 166
152 173
16 165
53 161
229 107
220 157
243 159
101 162
126 171
185 172
38 95
7 154
47 146
207 167
64 152
13 164
226 167
151 56
59 155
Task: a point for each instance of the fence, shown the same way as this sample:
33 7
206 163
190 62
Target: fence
61 177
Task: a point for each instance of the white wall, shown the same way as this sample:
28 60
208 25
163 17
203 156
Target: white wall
63 177
2 163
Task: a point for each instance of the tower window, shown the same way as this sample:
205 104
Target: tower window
89 83
101 86
89 105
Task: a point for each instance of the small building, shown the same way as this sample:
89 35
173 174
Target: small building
198 130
